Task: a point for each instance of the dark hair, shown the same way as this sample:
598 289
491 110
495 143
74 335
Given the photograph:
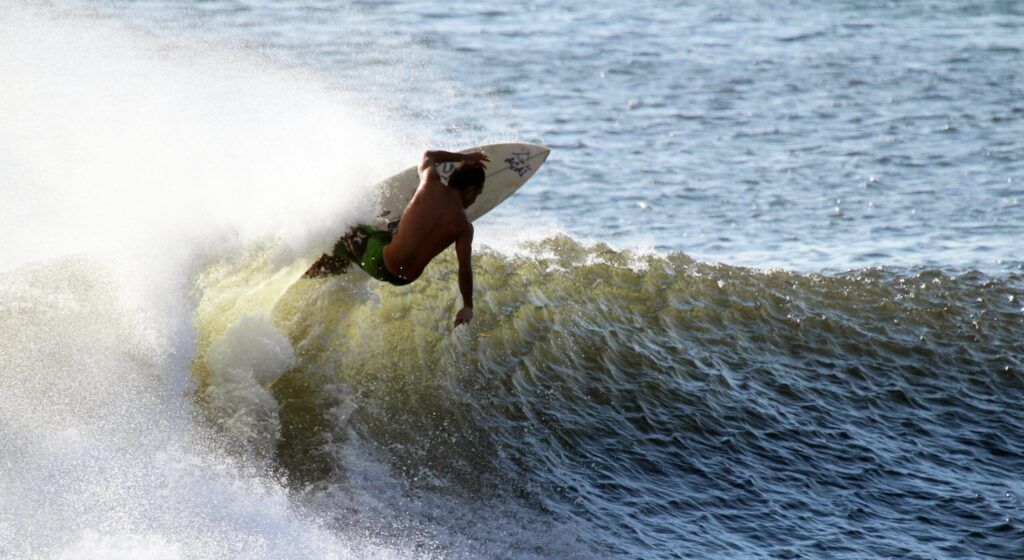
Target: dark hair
467 175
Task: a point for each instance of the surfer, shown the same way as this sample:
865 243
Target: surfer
433 220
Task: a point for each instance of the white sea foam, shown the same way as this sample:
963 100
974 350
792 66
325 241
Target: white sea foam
126 166
249 356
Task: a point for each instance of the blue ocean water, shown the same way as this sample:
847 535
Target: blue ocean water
802 135
764 299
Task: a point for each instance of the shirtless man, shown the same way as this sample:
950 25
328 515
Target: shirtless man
434 219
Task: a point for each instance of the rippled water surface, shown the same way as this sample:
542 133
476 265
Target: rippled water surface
708 411
795 134
764 300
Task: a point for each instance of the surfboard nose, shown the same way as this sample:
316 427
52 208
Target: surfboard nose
540 151
538 154
545 152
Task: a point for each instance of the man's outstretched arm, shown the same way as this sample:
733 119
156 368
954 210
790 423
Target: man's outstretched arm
463 250
434 157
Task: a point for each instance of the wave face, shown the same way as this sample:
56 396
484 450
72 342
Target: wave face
664 406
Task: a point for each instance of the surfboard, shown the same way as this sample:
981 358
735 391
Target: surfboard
511 166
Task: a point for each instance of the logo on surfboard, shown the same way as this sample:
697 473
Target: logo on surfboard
445 170
519 163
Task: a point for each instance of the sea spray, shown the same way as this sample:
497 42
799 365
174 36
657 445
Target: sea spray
249 356
129 166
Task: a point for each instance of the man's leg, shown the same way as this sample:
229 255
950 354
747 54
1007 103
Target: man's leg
352 245
327 265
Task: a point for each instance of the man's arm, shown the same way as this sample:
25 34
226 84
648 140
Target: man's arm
463 250
434 157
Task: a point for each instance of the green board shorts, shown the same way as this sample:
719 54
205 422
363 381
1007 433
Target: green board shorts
373 255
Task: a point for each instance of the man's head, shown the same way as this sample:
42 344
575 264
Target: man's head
468 179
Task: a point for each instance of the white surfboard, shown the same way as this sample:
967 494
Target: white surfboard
510 167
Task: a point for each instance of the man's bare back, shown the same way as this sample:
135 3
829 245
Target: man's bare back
433 220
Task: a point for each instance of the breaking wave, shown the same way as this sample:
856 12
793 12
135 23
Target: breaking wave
609 386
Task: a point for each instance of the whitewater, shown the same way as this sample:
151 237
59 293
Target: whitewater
127 169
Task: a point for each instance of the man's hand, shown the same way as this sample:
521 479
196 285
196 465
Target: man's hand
476 157
464 316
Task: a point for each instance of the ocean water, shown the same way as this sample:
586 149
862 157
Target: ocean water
764 300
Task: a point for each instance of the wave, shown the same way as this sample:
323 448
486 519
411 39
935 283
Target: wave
607 386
